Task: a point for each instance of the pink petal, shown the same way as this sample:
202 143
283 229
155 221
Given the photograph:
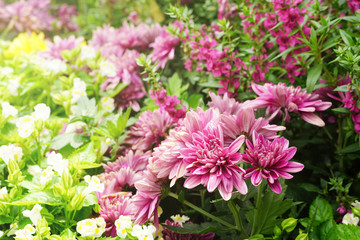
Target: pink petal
293 167
236 145
275 187
312 118
192 182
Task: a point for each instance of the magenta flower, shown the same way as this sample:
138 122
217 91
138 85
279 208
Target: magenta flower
270 160
60 44
290 99
213 165
151 128
244 123
164 48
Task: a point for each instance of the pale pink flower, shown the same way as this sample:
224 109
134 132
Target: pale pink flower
66 14
224 104
212 164
147 198
113 206
150 129
270 160
60 44
137 161
164 48
290 99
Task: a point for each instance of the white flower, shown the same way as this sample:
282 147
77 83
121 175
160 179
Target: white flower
86 227
13 86
1 233
144 232
3 192
180 219
350 219
107 103
123 223
8 110
76 126
41 112
34 170
55 65
107 69
7 71
12 152
87 52
26 233
78 90
94 184
13 228
56 161
26 126
33 214
46 175
356 204
101 224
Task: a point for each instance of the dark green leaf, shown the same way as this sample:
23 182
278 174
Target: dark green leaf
189 228
349 149
340 110
320 210
312 77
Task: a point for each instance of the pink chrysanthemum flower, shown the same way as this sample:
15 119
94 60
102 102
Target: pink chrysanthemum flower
147 198
60 44
113 206
224 104
213 165
245 123
290 99
66 14
150 129
137 161
164 48
270 160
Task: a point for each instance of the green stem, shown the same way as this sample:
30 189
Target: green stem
237 218
258 202
209 215
8 28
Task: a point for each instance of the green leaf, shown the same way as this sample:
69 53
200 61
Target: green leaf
312 77
37 198
85 107
346 38
210 85
194 100
348 232
84 157
342 88
6 219
189 228
289 224
321 210
349 149
272 207
302 236
74 139
174 85
340 110
113 92
257 237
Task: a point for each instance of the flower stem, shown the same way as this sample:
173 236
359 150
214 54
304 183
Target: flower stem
258 202
209 215
237 218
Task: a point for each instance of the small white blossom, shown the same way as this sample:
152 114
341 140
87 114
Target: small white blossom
75 127
87 52
33 214
94 184
78 90
86 227
41 112
26 126
55 65
3 192
107 69
46 175
107 103
13 228
356 204
12 152
144 232
34 170
122 224
26 233
8 110
7 71
56 161
1 233
13 86
101 224
350 219
180 219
